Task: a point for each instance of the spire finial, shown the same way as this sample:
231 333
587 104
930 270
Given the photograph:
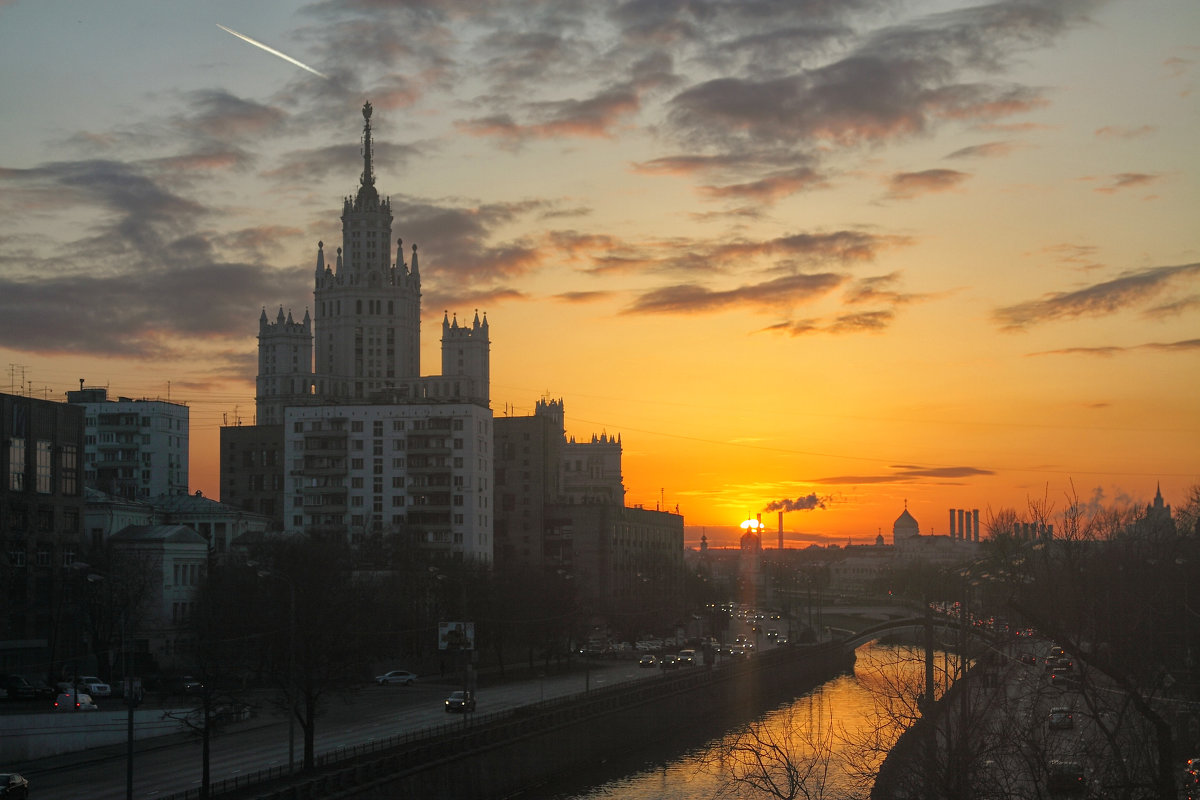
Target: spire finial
368 175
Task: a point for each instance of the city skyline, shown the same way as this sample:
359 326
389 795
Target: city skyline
841 259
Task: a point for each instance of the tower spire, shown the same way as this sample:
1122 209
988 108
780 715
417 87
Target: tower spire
368 174
368 196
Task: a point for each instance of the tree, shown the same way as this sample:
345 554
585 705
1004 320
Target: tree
310 610
786 755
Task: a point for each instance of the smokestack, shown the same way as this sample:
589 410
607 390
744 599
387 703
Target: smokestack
962 516
952 523
780 530
975 523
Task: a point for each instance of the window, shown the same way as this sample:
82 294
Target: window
69 470
356 426
16 464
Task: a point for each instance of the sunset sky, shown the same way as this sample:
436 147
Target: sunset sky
845 254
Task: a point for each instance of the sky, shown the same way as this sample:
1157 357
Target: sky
838 258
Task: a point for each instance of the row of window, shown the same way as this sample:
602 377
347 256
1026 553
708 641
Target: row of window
44 557
44 467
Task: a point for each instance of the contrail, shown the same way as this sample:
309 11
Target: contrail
273 51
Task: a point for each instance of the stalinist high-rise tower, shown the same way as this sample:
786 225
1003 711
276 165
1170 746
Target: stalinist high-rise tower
367 315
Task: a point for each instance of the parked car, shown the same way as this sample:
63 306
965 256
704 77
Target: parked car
460 701
41 689
400 676
13 786
75 701
1065 777
93 686
1061 718
17 687
648 661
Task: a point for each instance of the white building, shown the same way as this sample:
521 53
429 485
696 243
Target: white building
419 470
135 449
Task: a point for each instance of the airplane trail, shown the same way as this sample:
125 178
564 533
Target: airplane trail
272 51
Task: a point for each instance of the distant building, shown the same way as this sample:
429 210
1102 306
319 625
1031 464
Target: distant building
560 507
136 449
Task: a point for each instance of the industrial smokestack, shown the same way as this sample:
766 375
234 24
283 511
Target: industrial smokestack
975 523
952 523
962 516
780 530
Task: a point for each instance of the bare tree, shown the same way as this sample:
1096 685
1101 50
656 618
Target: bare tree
786 755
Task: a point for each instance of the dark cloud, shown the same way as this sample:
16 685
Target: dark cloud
1185 345
151 315
1127 180
985 150
771 187
692 298
878 289
907 185
863 321
1107 297
583 297
908 474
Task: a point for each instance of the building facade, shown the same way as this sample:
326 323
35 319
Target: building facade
41 516
136 449
419 471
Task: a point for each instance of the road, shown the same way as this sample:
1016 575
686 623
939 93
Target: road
375 713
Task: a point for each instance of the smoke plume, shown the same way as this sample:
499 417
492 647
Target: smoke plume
799 504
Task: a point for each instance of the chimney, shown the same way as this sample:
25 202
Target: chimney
780 530
952 523
975 523
962 515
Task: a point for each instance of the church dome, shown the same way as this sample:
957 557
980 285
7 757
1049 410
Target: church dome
905 525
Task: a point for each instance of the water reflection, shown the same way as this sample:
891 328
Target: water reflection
826 744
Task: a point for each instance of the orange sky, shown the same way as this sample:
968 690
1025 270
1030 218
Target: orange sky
864 253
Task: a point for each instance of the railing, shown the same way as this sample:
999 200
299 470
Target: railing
413 748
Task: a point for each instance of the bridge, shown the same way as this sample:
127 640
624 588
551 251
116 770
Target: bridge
910 626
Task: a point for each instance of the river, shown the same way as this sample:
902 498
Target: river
837 734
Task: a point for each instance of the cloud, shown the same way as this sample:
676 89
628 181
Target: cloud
907 185
583 297
909 474
692 298
1127 180
1106 297
1125 132
861 321
1186 345
985 150
770 188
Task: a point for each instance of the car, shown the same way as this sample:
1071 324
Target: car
648 660
1028 658
668 662
93 686
13 786
460 701
400 676
41 689
17 687
1060 718
686 657
1065 777
1065 679
75 701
